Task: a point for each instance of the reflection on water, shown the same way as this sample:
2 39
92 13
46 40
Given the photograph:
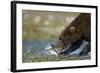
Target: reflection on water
35 46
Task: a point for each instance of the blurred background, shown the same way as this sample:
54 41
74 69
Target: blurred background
45 24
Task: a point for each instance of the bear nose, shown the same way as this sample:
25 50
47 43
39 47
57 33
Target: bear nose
60 44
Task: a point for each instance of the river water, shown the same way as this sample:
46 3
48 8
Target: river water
35 47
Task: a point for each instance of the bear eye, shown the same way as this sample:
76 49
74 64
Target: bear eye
72 29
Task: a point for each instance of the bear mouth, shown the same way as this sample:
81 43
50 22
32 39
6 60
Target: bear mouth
68 43
59 46
70 46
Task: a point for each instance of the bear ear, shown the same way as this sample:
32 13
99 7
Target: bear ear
72 29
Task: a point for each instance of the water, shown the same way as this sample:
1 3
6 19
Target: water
36 46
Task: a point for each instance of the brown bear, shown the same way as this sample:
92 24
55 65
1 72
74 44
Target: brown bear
80 29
